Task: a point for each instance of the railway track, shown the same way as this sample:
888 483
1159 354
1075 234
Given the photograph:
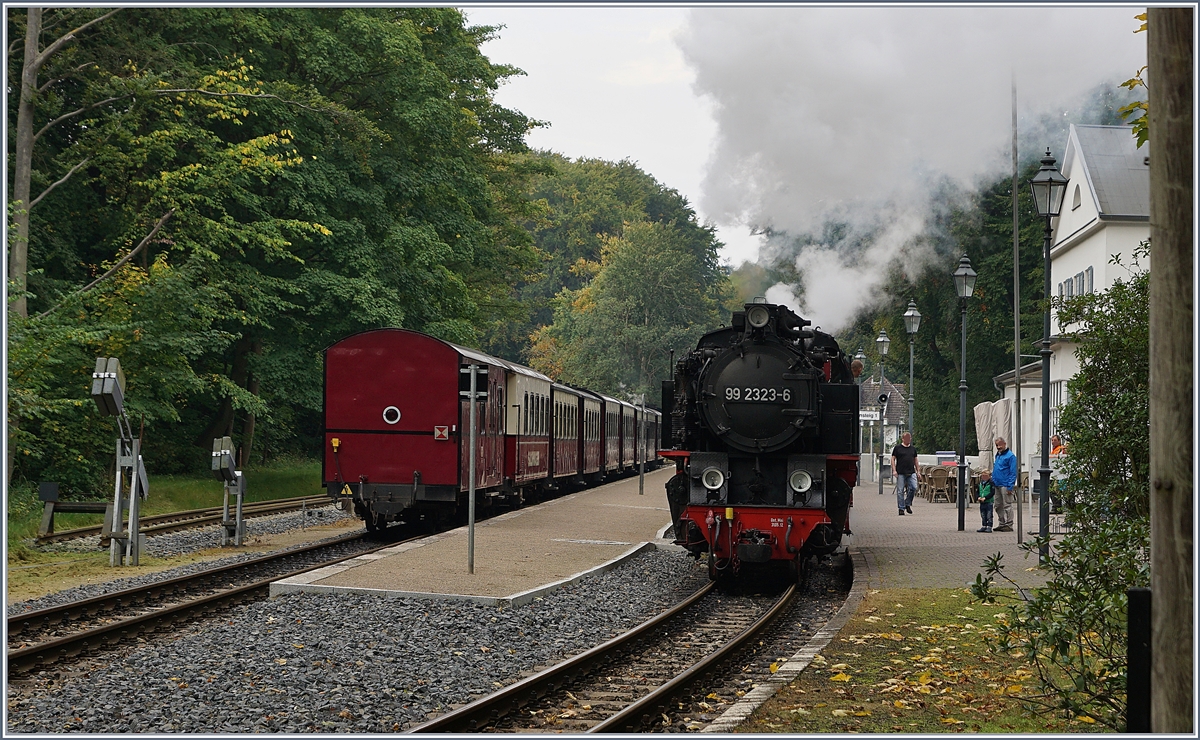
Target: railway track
181 520
629 682
38 639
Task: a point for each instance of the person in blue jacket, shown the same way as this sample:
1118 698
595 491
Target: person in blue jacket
1004 478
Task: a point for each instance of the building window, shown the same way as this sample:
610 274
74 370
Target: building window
1079 279
1075 199
1091 287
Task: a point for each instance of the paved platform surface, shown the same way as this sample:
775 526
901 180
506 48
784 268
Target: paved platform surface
517 555
925 549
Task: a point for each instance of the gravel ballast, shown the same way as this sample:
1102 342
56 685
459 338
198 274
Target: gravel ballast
179 543
343 662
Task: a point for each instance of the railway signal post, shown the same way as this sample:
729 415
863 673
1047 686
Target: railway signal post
108 392
223 468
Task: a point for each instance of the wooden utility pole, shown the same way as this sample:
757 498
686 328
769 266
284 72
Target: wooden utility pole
1169 58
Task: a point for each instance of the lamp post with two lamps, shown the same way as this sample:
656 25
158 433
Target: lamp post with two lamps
912 322
964 285
1049 187
882 343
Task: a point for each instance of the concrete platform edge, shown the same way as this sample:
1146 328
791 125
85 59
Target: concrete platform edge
303 583
739 712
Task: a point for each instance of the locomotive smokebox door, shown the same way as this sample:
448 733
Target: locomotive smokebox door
709 473
755 399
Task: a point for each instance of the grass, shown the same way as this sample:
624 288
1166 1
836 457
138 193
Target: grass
32 572
915 662
170 493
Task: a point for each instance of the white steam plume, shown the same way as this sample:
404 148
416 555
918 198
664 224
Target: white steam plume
856 112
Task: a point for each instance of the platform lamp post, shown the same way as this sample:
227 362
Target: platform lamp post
862 359
881 343
912 322
964 285
1049 187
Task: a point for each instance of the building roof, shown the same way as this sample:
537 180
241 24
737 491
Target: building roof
896 412
1030 371
1118 173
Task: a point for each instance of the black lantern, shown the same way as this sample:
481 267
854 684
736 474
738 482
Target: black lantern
912 318
882 343
1049 188
964 279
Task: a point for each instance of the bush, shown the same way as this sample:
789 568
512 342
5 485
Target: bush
1073 630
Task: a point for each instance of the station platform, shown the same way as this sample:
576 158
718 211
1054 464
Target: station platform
518 555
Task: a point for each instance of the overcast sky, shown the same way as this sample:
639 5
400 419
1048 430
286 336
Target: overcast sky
775 117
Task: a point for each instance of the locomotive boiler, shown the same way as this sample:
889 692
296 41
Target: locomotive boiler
761 420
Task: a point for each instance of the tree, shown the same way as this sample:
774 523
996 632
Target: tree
1171 63
650 294
1073 630
271 180
580 204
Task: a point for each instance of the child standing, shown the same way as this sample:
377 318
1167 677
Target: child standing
986 495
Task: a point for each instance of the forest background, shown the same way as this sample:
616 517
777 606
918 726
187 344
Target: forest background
216 195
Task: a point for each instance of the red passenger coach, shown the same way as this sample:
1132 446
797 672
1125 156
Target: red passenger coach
397 427
394 424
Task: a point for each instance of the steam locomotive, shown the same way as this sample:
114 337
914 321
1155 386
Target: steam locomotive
761 420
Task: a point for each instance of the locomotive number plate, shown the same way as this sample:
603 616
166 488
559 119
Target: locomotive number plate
750 393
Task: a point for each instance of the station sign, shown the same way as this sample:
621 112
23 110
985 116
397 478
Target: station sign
868 414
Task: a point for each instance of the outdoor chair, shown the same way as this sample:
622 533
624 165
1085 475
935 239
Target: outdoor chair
939 484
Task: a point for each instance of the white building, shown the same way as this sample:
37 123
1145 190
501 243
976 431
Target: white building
1106 213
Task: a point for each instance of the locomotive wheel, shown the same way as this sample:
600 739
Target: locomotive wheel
801 569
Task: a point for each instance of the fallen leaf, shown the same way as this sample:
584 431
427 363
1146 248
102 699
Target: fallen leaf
774 667
1085 718
839 666
841 677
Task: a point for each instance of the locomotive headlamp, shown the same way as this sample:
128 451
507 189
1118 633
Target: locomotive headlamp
712 478
800 481
758 316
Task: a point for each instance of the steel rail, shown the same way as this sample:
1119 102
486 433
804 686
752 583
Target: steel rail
486 709
179 520
48 652
632 717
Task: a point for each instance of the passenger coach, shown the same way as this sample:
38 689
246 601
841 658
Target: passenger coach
396 429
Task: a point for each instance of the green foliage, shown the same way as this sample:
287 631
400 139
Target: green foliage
1073 629
1138 112
326 171
576 206
1106 421
650 294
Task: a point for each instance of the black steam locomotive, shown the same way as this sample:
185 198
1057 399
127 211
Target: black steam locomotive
762 422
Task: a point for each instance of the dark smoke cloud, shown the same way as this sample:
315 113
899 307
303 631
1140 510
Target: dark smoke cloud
855 114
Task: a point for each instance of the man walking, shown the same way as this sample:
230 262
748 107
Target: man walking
1004 477
904 467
